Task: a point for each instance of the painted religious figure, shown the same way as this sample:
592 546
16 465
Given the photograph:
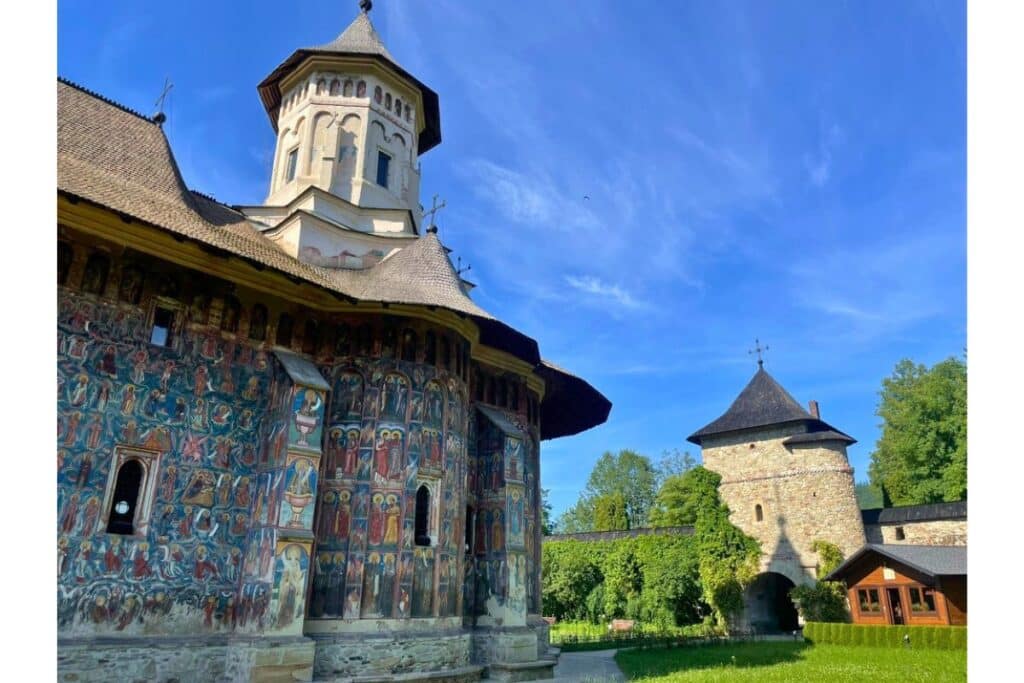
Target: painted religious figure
307 409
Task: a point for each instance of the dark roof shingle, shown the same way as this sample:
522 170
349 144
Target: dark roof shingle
933 560
916 513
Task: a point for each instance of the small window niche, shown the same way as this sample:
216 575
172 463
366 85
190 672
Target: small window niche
163 323
424 532
131 484
758 513
900 534
383 168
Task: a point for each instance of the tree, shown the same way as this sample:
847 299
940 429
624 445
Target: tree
824 600
674 463
676 502
627 473
921 456
546 527
610 513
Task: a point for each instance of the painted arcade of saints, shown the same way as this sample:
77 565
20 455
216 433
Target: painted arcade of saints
284 467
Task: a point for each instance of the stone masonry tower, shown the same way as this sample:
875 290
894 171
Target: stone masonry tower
785 477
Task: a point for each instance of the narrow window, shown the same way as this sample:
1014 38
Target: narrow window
65 256
258 323
446 352
365 340
409 346
388 343
232 311
96 270
430 348
513 399
321 86
398 107
900 535
309 337
342 341
361 89
422 515
387 101
378 94
126 499
347 89
489 388
163 327
293 161
502 393
469 528
130 288
758 513
335 86
284 330
383 165
478 386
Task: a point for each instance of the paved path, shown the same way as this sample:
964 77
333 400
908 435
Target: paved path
594 667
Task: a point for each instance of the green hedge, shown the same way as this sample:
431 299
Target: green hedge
923 637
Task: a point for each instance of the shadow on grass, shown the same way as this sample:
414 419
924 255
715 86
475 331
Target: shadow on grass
660 662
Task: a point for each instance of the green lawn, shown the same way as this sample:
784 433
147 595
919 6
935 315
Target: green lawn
792 661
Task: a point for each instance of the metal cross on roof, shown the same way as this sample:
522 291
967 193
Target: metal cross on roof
435 207
758 349
160 117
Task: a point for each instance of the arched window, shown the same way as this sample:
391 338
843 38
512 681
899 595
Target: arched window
378 94
398 107
388 343
258 323
96 270
430 348
409 346
321 87
758 513
285 323
387 101
65 256
309 337
335 86
422 515
408 113
232 311
347 89
361 89
126 499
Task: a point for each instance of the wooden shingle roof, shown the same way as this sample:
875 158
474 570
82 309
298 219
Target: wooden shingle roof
113 157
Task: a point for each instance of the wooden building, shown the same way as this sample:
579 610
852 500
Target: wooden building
906 584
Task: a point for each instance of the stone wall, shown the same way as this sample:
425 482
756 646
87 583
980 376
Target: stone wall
805 493
933 532
178 660
367 654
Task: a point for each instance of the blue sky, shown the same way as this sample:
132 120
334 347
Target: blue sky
790 171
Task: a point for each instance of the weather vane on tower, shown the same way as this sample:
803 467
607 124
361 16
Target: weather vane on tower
758 349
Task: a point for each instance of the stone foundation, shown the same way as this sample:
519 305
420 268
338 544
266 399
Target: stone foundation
514 653
180 660
442 655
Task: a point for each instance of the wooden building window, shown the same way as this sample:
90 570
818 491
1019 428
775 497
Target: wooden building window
922 600
868 602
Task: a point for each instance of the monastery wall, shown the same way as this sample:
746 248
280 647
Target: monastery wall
935 532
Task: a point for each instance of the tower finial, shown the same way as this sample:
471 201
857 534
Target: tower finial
366 6
432 227
758 349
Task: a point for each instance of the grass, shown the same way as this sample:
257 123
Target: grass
792 661
581 636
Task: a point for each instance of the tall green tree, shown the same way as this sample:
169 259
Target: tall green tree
626 473
678 498
868 496
610 513
921 456
546 527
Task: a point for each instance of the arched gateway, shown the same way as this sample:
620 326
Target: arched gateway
767 605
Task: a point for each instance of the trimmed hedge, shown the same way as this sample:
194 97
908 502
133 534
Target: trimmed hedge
923 637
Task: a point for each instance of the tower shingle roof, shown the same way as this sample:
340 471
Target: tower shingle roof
762 403
360 37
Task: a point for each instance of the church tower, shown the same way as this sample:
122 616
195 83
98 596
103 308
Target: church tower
787 481
351 124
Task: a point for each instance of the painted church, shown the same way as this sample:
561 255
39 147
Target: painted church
289 445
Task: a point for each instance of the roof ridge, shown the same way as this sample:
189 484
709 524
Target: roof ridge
107 100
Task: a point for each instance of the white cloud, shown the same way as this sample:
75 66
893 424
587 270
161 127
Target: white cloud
609 292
